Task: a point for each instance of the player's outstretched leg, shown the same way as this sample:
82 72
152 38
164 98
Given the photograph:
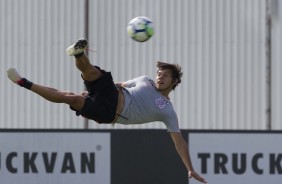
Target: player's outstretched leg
89 72
50 94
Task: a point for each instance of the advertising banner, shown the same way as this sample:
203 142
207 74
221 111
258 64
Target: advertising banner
138 156
237 157
55 157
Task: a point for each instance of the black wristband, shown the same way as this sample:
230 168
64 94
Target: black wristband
25 83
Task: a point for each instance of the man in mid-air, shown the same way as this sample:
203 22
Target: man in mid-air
140 100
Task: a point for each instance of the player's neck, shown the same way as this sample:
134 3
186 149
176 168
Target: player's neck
165 93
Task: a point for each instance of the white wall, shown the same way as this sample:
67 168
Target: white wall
220 44
34 35
276 66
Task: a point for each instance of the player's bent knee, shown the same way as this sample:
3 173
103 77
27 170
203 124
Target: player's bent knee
91 74
76 101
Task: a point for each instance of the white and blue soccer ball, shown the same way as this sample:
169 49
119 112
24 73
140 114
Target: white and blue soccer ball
140 29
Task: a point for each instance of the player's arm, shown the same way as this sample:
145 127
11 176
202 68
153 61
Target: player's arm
182 149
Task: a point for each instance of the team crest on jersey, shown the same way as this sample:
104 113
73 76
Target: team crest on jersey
161 102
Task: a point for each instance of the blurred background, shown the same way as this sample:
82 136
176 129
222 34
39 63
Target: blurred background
229 51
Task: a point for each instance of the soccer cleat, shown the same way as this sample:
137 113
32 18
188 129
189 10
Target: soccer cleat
14 75
77 48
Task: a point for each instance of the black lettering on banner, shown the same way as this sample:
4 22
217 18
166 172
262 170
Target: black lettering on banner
49 164
9 159
275 163
68 164
255 167
204 161
29 162
243 164
89 163
220 161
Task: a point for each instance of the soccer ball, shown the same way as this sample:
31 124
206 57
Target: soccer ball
140 29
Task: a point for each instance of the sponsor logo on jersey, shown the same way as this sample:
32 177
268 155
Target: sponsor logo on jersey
161 102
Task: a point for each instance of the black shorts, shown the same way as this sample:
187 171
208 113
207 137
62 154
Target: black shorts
101 103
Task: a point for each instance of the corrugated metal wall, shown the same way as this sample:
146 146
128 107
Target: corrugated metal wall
221 45
34 35
276 65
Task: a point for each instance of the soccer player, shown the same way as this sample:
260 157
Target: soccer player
140 100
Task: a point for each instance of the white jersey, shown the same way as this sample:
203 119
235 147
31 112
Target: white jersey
143 104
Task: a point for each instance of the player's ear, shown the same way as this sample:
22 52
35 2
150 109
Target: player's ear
175 82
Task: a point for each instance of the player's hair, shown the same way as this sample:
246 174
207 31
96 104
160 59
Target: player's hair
175 70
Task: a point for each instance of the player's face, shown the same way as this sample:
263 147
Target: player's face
164 80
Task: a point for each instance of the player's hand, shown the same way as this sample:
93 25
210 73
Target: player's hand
196 176
84 93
